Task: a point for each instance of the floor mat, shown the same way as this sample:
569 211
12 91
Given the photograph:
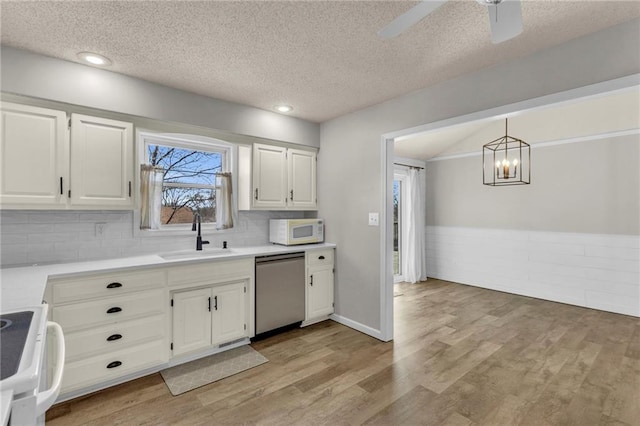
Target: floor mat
192 375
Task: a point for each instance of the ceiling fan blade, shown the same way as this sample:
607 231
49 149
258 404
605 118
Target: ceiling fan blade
506 20
409 18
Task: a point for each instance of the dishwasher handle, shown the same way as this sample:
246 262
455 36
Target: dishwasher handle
279 257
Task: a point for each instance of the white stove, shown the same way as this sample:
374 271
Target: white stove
24 394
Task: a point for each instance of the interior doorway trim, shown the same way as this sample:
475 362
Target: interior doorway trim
387 168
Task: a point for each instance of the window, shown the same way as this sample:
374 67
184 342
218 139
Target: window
186 170
188 183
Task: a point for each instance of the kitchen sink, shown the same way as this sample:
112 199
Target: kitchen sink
195 254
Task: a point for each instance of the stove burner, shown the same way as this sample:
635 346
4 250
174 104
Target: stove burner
14 329
5 323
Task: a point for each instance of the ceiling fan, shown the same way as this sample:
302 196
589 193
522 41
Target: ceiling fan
505 18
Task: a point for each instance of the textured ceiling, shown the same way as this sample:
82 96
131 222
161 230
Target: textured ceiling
322 57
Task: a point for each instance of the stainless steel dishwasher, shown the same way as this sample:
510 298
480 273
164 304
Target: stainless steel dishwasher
280 300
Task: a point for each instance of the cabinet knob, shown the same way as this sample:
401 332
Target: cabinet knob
114 310
114 364
114 285
114 337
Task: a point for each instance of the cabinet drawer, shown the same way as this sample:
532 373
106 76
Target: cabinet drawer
320 257
211 272
109 310
102 368
114 337
104 285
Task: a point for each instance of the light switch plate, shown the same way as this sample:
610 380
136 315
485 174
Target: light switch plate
374 219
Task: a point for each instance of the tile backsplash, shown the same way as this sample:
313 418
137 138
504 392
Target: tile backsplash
30 236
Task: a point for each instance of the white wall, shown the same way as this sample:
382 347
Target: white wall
351 144
585 187
598 271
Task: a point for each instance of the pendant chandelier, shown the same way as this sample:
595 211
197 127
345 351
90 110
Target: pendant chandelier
506 161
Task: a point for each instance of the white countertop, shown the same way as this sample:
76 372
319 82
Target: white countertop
24 286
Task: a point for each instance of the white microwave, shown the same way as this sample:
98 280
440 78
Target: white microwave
290 232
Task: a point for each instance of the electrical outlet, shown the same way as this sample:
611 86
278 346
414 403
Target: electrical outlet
100 228
374 219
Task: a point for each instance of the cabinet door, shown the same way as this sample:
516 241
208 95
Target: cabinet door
34 157
269 177
191 320
101 162
302 179
229 313
320 292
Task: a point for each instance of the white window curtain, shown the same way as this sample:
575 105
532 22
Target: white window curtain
414 260
224 207
150 196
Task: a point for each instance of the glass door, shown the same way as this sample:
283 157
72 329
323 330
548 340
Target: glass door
398 191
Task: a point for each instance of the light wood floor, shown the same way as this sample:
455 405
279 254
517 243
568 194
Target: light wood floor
461 355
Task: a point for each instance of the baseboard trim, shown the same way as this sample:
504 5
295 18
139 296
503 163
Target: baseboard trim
357 326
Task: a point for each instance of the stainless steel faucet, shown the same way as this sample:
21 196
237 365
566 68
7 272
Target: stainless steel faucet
199 242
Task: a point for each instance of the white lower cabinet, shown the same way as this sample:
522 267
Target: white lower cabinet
319 295
229 320
122 324
109 337
191 320
320 301
208 316
112 364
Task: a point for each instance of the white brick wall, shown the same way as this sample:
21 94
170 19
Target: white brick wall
591 270
28 237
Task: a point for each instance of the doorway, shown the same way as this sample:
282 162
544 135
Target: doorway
387 156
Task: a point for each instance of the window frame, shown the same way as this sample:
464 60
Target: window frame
184 141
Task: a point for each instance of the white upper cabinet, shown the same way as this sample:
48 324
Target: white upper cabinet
34 158
269 176
44 166
282 179
101 162
302 179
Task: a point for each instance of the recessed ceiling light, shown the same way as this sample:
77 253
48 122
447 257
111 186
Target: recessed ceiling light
94 59
283 108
